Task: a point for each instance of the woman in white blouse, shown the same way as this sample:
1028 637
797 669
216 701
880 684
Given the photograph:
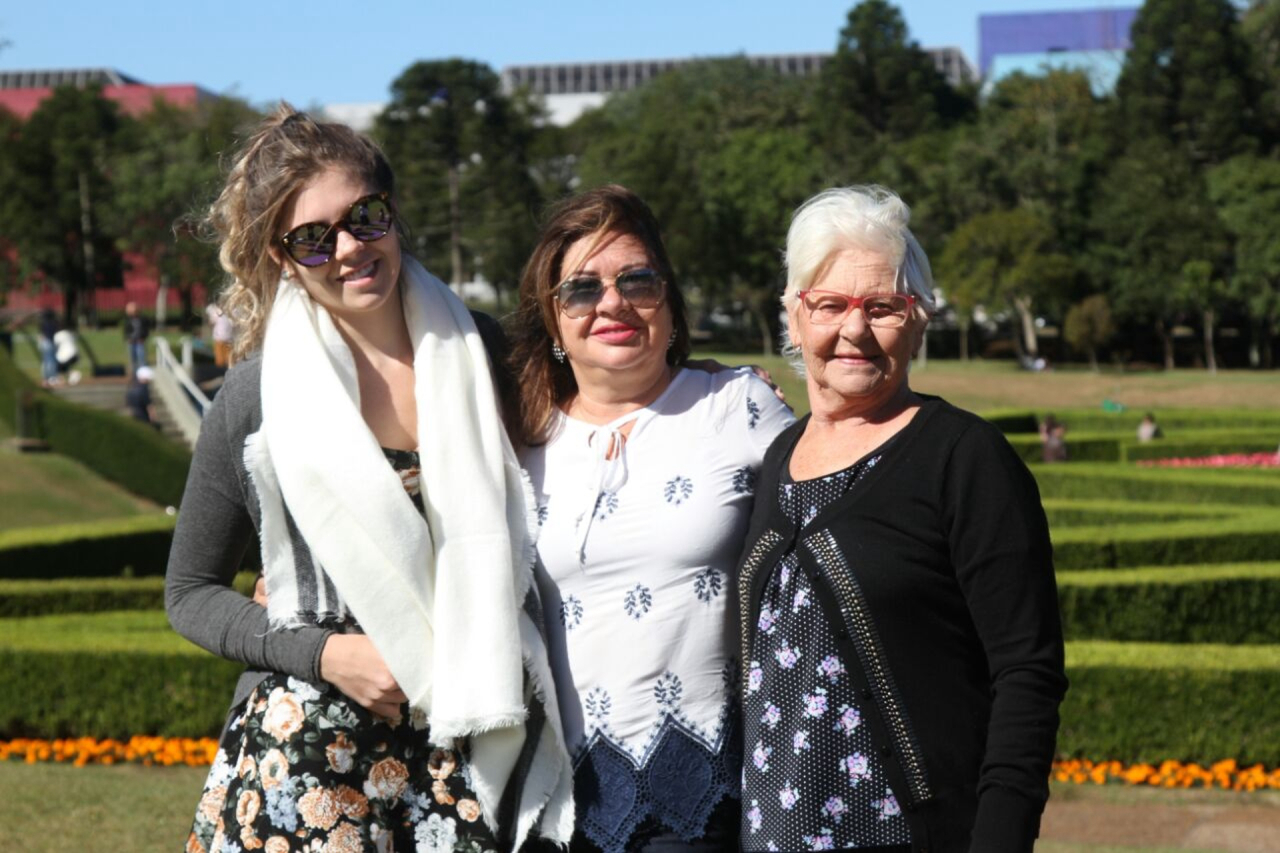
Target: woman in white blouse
644 472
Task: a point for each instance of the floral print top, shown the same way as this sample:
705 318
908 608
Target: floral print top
811 779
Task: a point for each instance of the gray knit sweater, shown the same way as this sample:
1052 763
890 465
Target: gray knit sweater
216 527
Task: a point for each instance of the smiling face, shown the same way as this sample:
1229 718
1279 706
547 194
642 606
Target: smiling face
360 279
616 335
854 364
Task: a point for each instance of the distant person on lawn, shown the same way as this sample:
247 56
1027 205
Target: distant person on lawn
136 329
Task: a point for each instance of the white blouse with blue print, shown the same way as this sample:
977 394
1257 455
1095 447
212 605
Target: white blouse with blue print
635 560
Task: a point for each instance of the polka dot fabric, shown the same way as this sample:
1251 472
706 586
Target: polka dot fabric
811 779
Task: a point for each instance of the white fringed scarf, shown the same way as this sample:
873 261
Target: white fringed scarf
441 598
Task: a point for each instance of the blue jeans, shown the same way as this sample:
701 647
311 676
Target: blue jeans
137 355
48 361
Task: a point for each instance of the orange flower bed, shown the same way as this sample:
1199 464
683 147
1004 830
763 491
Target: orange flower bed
166 752
200 752
1169 774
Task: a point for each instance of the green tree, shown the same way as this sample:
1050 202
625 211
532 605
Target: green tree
1088 326
1006 259
1045 132
1202 291
1188 78
713 148
1246 193
166 170
1153 215
1261 28
881 87
460 148
60 193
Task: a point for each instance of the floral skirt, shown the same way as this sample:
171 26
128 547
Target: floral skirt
303 767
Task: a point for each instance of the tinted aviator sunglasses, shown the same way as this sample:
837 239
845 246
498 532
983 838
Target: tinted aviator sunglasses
314 243
579 295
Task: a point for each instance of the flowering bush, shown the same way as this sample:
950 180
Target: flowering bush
1222 460
192 752
1169 774
200 752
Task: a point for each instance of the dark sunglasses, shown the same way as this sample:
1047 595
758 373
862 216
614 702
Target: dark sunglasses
578 296
368 219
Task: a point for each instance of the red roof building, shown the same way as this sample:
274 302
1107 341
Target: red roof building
22 91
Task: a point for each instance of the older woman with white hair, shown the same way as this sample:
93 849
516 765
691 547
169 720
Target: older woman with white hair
899 618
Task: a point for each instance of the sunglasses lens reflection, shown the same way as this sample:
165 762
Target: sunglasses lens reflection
579 296
313 244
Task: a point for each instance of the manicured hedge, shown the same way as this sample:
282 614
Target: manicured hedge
1247 537
1234 603
1129 702
90 595
1142 702
1248 487
123 450
113 694
1171 421
1194 448
1063 513
138 545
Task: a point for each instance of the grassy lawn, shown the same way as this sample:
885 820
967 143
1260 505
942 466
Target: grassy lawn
43 488
985 385
106 344
52 808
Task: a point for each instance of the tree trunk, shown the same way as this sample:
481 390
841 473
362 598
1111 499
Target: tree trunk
1093 360
964 325
86 245
455 228
1028 322
1166 342
1210 361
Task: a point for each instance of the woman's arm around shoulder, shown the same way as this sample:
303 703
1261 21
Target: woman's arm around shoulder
213 533
1003 560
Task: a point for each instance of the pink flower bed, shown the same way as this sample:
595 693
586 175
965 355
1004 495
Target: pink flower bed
1224 460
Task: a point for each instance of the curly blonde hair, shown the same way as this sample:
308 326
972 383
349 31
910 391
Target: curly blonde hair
284 152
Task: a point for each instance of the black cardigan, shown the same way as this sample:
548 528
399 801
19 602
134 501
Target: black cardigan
936 573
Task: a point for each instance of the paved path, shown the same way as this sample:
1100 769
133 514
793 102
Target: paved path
1179 820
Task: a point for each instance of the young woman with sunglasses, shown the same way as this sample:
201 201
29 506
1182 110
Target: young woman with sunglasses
643 471
391 698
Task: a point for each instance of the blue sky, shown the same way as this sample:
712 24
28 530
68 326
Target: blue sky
321 52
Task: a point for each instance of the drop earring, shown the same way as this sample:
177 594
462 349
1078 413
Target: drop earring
557 352
671 341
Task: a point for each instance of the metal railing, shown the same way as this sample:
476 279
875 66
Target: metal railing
182 397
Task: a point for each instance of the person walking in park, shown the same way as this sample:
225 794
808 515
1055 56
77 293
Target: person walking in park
900 629
644 471
221 331
47 330
136 329
397 693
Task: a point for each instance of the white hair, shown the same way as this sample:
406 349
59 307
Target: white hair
871 218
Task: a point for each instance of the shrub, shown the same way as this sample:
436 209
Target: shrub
124 451
1251 536
113 694
1250 487
1148 703
90 595
137 544
1234 603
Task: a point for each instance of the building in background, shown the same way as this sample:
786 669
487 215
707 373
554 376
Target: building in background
1092 40
571 88
22 91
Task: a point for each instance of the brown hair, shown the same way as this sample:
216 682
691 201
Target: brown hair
285 151
544 382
